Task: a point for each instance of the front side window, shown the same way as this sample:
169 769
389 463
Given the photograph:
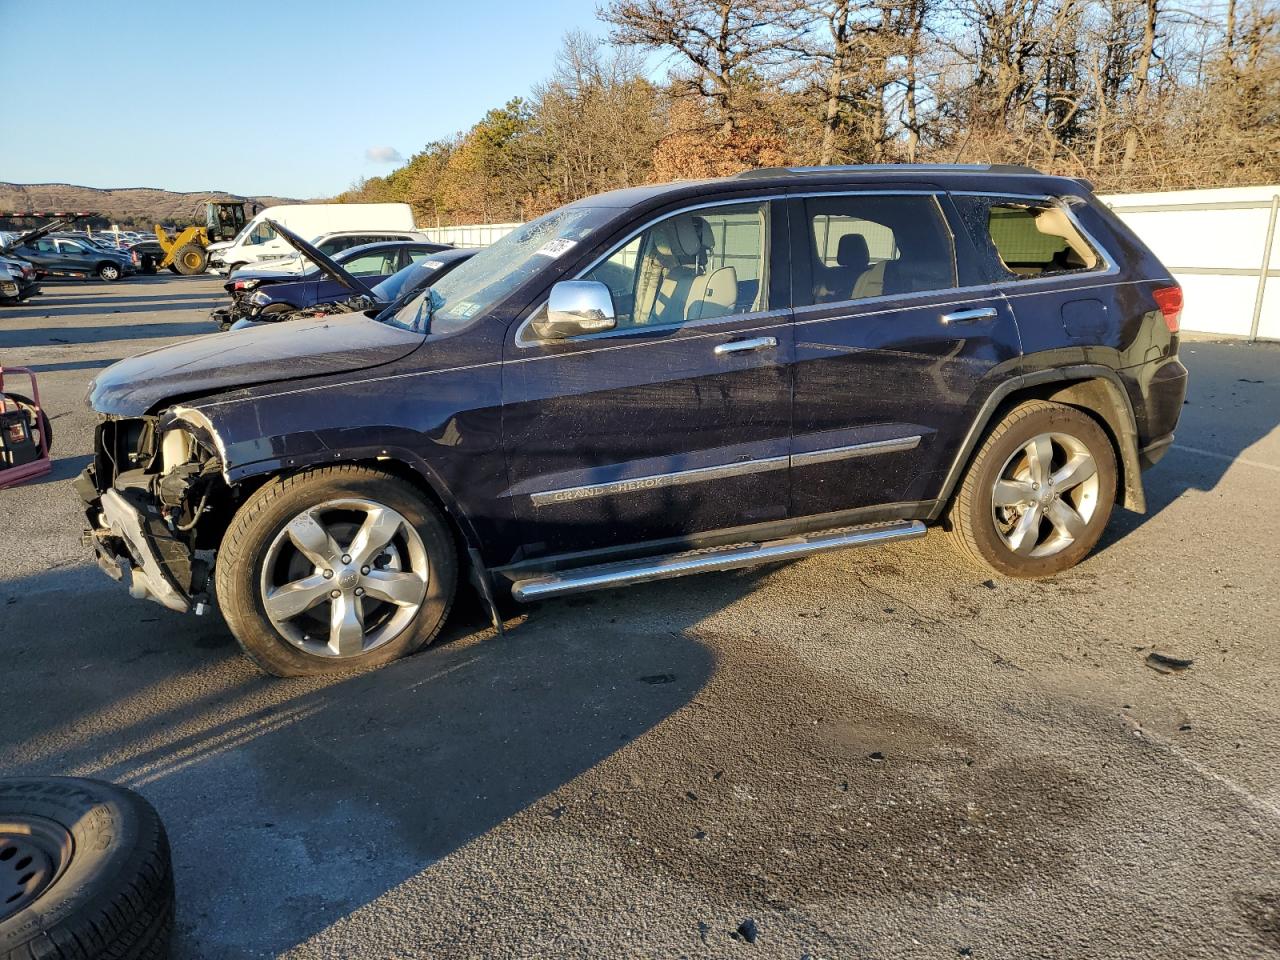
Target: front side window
1033 240
863 246
261 233
696 265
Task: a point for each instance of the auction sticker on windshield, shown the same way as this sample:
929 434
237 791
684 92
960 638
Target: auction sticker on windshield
556 248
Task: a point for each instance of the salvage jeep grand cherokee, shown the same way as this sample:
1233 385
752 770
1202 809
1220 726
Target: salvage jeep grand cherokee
648 383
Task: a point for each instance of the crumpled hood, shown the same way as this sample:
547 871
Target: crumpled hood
271 353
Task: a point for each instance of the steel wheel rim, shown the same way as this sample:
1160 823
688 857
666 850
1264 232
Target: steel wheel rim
360 561
33 853
1045 495
110 273
192 260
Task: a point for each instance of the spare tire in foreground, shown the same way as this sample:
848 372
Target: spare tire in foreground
84 872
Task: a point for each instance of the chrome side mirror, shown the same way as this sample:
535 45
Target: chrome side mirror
574 308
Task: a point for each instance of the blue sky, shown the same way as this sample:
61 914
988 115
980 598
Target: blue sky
284 97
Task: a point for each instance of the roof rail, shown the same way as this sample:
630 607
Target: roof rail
886 168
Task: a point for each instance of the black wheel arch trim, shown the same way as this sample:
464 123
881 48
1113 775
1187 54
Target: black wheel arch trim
1120 419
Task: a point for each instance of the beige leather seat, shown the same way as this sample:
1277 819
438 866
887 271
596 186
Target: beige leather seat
713 294
677 255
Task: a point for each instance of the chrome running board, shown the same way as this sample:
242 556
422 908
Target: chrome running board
627 572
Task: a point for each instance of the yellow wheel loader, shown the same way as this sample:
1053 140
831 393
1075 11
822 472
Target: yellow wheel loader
185 251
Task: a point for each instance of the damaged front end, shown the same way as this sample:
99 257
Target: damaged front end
153 487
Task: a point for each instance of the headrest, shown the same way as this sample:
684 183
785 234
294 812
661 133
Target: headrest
685 240
852 251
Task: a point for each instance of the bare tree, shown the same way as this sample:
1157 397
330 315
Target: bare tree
722 42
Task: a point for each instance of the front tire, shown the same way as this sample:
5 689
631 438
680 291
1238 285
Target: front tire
335 569
1038 493
109 272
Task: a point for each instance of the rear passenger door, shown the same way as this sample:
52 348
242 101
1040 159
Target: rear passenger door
897 343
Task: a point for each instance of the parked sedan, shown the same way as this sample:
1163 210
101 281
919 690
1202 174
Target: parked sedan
75 257
262 295
385 297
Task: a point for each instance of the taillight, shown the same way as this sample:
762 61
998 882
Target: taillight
1169 300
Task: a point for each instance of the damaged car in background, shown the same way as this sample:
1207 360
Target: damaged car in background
649 383
264 294
346 292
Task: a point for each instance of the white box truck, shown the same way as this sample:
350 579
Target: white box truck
258 240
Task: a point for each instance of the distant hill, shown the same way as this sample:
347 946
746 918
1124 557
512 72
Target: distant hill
126 206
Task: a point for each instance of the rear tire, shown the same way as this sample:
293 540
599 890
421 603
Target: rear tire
191 260
98 879
1038 493
261 562
277 311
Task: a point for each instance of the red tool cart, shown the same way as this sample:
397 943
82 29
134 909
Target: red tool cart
24 432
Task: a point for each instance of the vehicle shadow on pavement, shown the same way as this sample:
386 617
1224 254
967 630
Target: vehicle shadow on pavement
1233 401
292 803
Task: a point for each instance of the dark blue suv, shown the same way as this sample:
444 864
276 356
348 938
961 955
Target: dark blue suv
649 383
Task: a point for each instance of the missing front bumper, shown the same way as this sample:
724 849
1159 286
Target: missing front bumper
138 564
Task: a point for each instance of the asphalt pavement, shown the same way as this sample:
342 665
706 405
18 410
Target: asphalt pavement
876 753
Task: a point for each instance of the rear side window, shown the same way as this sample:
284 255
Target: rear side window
865 246
1027 239
381 264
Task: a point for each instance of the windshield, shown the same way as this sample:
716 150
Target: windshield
390 288
476 287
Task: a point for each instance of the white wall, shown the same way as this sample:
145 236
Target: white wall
1213 242
473 235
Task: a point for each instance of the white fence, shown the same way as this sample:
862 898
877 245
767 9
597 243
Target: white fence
1219 244
474 235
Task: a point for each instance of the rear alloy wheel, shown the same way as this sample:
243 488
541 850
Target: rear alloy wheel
1038 493
335 569
109 272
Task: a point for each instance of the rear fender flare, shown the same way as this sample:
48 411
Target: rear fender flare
1080 386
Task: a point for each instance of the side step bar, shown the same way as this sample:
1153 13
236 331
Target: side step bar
627 572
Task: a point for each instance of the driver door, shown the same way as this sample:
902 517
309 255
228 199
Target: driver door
678 421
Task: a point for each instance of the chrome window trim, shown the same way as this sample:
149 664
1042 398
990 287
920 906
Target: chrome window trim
1009 288
997 287
655 481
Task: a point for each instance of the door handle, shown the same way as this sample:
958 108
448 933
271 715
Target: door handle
745 346
969 316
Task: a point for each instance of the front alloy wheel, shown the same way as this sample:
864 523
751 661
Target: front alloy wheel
334 569
344 577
